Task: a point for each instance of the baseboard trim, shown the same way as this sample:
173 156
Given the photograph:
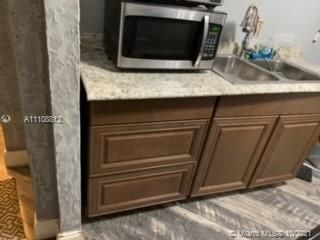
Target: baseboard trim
73 235
44 229
16 158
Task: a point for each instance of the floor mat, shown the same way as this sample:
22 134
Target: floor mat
11 226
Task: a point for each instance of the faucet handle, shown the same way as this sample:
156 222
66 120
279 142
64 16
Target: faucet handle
316 37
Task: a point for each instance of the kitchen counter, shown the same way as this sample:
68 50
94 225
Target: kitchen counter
103 81
164 137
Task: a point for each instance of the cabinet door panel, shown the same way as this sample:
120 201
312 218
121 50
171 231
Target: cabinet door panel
231 153
133 146
292 140
126 191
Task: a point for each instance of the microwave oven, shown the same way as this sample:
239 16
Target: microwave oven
141 35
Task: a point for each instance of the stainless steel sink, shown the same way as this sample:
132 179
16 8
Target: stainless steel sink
287 70
237 70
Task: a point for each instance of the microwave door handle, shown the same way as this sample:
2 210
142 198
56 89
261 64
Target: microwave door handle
203 41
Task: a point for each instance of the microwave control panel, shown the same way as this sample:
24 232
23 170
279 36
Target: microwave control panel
212 42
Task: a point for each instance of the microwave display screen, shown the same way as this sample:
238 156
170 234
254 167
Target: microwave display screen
161 38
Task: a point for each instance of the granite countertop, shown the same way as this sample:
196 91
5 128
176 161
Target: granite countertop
103 81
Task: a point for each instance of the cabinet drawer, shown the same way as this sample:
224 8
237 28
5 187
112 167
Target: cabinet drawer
120 192
266 104
134 146
155 110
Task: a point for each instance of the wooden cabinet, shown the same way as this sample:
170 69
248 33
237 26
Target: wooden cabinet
147 152
127 147
268 105
140 188
291 142
143 153
246 149
231 153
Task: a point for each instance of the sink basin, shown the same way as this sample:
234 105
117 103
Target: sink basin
288 70
237 70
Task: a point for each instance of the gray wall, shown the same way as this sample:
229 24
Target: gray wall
292 20
28 39
92 15
10 101
45 37
63 44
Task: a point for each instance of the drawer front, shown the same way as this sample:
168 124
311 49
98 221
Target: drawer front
120 192
266 104
135 146
156 110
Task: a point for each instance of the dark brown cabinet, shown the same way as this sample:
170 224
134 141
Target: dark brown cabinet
140 188
292 140
231 153
147 152
143 153
118 148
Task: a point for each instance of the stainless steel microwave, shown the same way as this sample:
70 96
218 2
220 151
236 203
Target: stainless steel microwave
142 35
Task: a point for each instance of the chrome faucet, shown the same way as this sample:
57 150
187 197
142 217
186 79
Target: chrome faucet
251 25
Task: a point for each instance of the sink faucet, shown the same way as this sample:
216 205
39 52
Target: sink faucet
316 37
251 25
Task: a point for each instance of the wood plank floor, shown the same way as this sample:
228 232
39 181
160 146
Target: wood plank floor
25 192
291 206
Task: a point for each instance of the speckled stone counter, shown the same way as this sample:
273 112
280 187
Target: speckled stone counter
103 81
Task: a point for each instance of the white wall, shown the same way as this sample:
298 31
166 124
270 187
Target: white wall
296 20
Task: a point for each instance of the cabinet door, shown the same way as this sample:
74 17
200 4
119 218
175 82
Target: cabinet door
231 153
290 144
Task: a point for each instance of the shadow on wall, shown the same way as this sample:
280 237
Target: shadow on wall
9 91
92 16
229 32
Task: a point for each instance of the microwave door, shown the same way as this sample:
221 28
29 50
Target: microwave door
203 41
161 37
